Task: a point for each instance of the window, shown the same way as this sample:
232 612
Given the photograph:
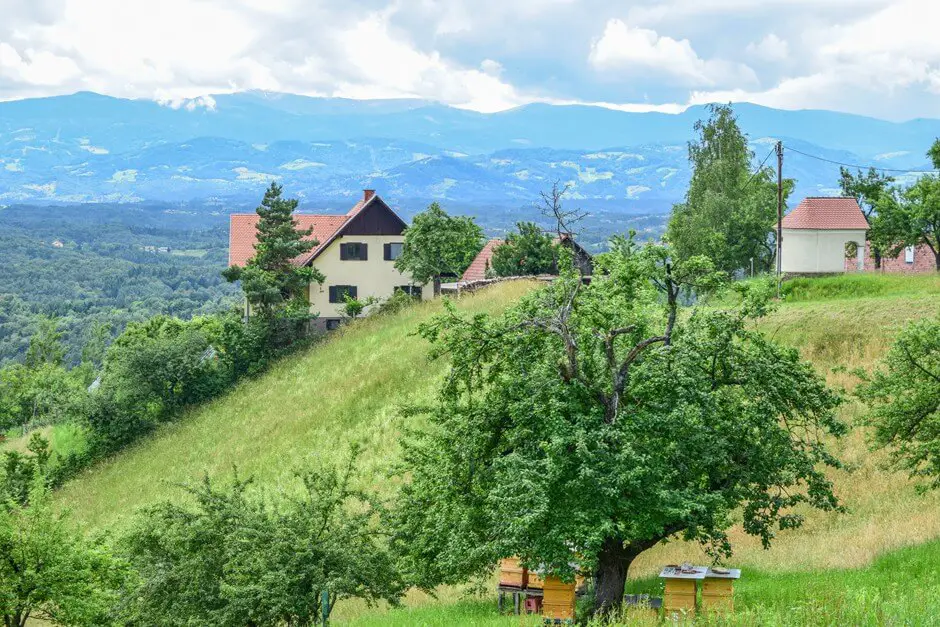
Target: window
354 251
411 290
909 254
338 291
393 251
333 323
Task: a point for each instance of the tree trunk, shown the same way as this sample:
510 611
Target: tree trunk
876 253
611 576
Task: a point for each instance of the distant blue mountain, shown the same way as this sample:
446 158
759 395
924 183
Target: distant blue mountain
87 148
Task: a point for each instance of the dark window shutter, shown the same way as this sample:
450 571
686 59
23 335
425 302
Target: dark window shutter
344 252
388 252
333 294
352 291
363 252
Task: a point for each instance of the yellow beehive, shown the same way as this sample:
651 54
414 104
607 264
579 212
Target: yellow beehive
718 594
679 596
535 581
511 573
558 599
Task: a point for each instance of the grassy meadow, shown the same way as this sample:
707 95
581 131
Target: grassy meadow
877 563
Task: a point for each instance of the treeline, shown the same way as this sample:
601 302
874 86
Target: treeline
55 263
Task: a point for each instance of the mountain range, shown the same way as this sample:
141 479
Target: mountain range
221 151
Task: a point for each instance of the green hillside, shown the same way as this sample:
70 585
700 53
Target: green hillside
350 387
346 389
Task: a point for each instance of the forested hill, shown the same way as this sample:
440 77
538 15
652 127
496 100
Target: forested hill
104 264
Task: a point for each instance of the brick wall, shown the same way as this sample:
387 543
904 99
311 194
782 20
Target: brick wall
924 261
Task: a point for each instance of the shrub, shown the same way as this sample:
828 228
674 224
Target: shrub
49 571
233 558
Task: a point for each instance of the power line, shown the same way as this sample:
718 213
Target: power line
860 167
759 168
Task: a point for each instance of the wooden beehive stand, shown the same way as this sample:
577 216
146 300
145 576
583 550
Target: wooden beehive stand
682 587
557 597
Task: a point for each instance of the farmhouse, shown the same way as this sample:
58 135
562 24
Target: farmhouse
356 252
829 234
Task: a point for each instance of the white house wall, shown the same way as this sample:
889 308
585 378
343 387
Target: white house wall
372 277
812 250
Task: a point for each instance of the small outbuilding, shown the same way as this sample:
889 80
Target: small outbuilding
821 233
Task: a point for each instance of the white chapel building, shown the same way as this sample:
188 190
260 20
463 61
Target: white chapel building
816 233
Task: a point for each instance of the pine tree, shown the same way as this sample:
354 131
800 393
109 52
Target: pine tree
271 280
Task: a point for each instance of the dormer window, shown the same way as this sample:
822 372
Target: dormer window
354 251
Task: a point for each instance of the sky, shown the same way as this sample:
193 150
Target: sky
873 57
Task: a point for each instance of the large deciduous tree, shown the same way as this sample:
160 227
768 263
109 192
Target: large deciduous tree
910 217
591 422
729 211
438 244
868 189
271 280
904 397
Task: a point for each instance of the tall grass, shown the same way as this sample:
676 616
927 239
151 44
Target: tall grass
345 389
901 588
861 285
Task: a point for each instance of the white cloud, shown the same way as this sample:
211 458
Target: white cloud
35 67
387 67
623 48
889 57
770 48
879 57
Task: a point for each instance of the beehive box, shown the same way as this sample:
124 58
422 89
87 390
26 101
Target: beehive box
511 573
558 599
679 596
535 580
718 594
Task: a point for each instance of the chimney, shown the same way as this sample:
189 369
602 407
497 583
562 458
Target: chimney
367 195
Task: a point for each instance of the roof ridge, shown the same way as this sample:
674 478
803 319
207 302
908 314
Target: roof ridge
829 198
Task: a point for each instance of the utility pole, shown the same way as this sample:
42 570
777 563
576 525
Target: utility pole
779 214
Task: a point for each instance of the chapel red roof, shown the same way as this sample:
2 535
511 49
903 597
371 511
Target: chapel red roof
477 269
826 213
243 231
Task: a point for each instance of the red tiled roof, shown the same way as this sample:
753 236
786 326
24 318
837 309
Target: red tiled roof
243 232
826 213
477 269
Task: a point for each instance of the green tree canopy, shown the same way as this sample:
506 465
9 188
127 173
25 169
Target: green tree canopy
904 397
232 559
49 571
271 280
45 346
868 189
910 217
729 212
591 422
438 244
528 251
